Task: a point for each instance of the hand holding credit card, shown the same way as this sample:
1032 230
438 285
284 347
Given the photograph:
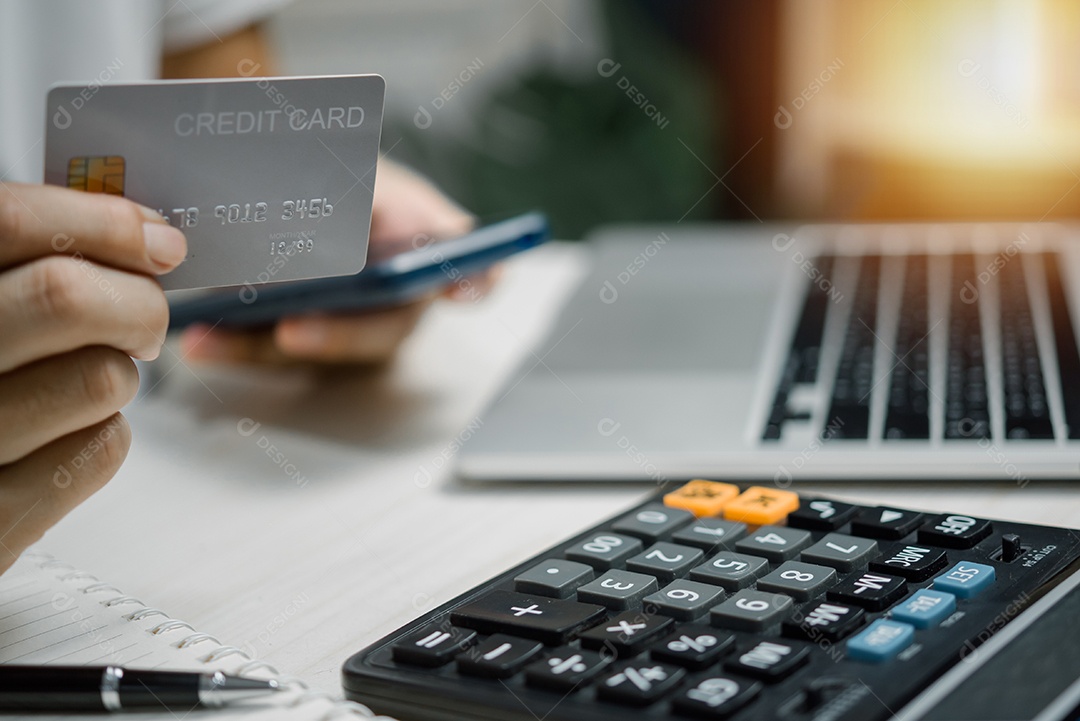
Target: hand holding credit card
270 179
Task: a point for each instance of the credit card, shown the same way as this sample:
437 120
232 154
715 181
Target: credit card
270 179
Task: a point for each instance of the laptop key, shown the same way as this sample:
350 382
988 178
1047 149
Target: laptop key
1068 357
849 410
1027 412
908 409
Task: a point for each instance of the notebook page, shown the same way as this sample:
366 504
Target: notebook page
52 613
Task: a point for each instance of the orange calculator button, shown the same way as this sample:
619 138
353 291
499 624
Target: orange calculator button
702 498
760 506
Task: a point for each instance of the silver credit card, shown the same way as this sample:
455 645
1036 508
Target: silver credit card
270 179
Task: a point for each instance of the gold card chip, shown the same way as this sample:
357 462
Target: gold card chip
97 174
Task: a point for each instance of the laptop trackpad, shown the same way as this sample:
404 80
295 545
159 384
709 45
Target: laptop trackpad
688 306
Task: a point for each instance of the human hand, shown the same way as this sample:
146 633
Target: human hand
77 303
406 206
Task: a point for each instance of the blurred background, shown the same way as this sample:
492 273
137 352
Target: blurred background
620 110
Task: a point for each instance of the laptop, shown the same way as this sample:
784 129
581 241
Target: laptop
830 352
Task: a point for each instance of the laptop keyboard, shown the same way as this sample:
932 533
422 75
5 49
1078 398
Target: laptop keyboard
989 382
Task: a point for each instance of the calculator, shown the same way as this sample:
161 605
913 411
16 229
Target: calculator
721 601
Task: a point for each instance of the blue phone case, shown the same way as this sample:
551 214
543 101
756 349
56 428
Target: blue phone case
390 282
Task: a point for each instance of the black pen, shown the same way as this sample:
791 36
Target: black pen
112 688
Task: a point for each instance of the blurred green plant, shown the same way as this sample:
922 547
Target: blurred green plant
581 148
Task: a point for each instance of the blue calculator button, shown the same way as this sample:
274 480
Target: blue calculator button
925 608
965 579
880 641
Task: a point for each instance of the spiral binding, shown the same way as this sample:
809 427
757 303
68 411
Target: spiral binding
304 695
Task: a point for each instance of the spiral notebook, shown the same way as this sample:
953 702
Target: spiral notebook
52 613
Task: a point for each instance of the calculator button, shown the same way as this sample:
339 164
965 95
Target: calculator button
760 506
666 561
890 524
954 531
925 608
750 610
653 521
565 669
821 515
769 660
499 656
684 600
775 543
869 589
432 645
801 581
710 534
716 696
880 641
702 498
824 620
844 553
912 561
626 633
693 646
639 683
604 550
545 619
730 571
618 590
554 577
965 579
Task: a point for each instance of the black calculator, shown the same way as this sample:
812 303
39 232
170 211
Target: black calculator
722 601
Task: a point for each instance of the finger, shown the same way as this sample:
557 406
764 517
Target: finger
40 489
46 400
57 304
356 338
200 343
40 220
474 287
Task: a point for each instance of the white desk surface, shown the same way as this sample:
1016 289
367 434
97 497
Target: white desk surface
358 527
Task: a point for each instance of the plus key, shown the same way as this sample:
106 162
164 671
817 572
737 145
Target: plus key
550 620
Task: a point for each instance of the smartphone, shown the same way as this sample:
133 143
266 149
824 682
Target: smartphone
428 266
